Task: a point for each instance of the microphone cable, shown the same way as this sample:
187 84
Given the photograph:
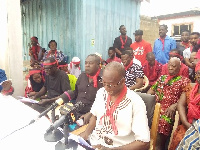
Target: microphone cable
14 131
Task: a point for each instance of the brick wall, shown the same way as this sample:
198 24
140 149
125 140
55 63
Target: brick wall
150 29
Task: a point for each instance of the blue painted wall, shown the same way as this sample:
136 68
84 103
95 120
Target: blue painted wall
74 24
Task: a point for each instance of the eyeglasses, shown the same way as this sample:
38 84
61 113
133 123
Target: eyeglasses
110 85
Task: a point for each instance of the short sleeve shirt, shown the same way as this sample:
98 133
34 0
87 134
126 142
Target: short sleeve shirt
135 71
117 43
57 85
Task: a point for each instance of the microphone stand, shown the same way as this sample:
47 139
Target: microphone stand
60 145
53 116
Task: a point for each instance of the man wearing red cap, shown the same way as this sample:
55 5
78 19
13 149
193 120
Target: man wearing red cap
140 47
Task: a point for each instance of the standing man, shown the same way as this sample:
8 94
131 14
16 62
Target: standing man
35 52
112 55
121 42
140 47
194 37
163 45
181 46
119 118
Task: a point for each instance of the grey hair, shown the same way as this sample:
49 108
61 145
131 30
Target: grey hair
176 59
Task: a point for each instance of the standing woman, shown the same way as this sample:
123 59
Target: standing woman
35 83
35 51
53 52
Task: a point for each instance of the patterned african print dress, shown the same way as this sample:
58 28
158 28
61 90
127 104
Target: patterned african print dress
167 93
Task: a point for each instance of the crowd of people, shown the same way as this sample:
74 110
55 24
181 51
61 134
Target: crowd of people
115 114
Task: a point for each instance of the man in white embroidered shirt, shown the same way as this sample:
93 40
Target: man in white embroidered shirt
119 118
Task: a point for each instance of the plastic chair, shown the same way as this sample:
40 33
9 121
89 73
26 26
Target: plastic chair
145 84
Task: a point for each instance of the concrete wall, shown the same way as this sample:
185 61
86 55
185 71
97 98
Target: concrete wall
11 43
150 29
195 20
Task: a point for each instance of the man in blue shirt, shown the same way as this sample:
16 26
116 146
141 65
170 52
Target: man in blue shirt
163 45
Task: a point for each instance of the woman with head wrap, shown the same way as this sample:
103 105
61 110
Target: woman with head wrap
35 52
188 108
35 82
74 67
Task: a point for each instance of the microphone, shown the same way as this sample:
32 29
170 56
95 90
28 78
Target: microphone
68 112
58 102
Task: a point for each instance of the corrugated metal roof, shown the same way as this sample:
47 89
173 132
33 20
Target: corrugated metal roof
76 24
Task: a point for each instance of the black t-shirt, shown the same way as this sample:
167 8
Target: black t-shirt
86 92
57 85
117 44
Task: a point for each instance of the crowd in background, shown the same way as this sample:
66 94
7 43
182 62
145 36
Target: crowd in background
170 68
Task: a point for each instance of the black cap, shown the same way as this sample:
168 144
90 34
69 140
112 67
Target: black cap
138 32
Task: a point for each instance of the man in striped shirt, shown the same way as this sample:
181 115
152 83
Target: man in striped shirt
191 138
134 72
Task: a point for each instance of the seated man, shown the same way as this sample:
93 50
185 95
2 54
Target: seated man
87 84
119 118
72 78
152 69
112 55
168 89
136 61
184 70
134 72
56 83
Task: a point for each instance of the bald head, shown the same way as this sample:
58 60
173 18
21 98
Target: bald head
174 66
116 67
150 57
113 78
